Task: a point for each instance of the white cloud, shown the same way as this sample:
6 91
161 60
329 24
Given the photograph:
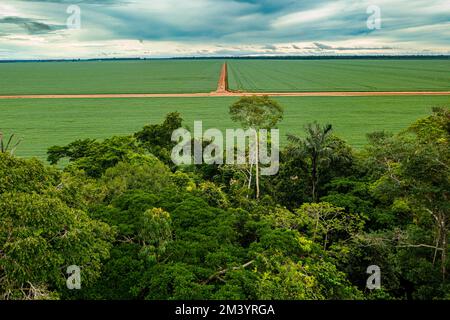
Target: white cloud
308 16
7 10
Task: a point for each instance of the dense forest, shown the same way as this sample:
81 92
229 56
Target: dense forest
140 227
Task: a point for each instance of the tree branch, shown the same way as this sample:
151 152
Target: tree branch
221 272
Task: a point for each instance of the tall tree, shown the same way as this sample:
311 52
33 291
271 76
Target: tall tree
256 113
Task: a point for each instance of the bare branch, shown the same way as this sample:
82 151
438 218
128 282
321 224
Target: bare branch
221 272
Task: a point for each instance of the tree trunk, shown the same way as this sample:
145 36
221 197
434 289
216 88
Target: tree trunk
438 241
317 226
444 232
314 178
250 178
257 164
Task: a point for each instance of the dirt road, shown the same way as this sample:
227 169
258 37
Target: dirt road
227 94
222 87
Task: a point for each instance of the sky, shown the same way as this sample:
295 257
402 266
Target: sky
67 29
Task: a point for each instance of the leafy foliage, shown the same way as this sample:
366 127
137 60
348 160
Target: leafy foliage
141 228
41 236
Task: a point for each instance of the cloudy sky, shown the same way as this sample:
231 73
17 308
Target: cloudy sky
39 29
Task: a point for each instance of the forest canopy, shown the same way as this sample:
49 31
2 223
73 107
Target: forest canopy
140 227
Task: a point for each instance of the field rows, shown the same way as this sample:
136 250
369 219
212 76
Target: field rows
339 75
109 77
201 76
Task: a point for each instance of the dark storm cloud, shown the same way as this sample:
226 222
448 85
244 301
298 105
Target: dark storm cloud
30 25
322 46
105 2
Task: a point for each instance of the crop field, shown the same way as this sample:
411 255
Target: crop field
339 75
43 123
46 122
108 77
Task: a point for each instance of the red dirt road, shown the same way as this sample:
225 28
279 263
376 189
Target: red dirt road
222 87
222 91
227 94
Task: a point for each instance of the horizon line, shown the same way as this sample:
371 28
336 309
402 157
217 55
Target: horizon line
286 57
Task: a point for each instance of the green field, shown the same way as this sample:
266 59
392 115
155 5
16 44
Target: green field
97 77
195 76
43 123
339 75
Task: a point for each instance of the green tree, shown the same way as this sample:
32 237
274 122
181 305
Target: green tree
40 235
256 113
29 176
416 170
157 138
326 220
95 157
213 195
320 147
155 233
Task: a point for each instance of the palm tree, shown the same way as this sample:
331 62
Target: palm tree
318 147
5 147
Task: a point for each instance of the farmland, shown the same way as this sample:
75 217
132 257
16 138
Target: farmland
339 75
201 76
97 77
46 122
43 123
